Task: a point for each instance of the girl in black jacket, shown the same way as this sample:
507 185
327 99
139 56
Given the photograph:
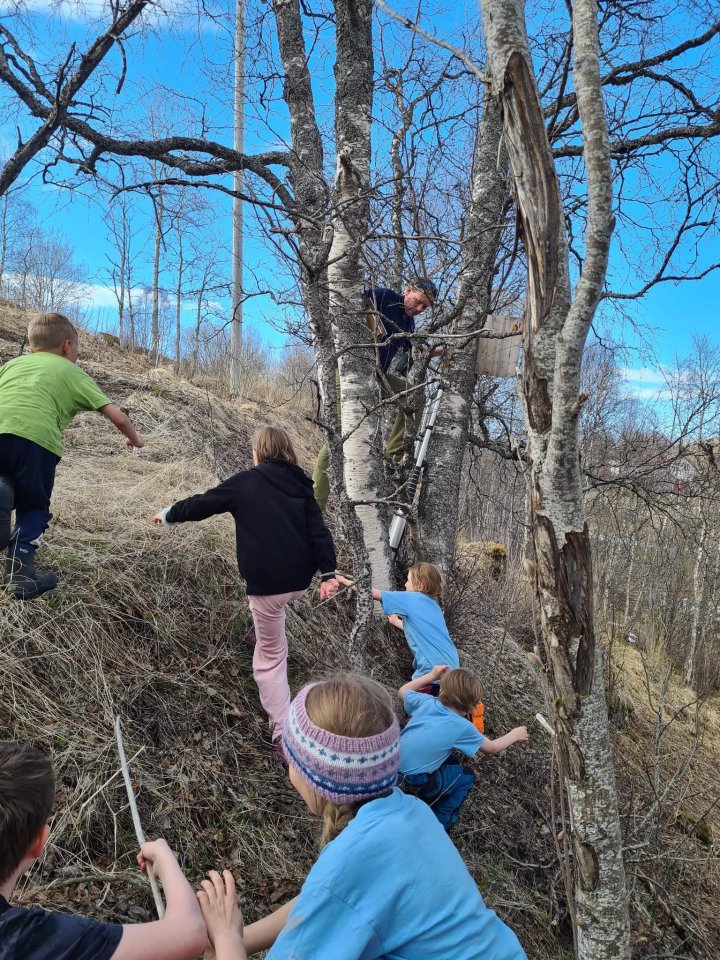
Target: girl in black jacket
281 541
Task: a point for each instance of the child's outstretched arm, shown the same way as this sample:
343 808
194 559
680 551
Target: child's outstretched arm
419 682
218 902
219 499
518 735
181 934
262 934
124 424
376 594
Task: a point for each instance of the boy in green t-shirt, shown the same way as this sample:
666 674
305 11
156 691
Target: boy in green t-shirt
40 393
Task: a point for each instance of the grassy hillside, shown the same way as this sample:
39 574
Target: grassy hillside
148 623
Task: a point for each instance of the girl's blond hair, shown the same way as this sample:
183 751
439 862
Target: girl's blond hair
273 443
427 579
48 331
460 690
349 706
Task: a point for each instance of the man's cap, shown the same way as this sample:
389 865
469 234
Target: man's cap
427 287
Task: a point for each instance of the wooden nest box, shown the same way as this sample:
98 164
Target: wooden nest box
499 357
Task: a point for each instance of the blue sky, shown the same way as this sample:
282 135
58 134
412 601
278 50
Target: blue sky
668 317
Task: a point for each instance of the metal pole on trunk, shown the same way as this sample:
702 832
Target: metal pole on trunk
427 424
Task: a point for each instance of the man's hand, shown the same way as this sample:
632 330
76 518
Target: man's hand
328 588
224 922
396 621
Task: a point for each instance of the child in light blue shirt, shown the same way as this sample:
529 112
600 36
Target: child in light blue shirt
417 611
437 726
364 897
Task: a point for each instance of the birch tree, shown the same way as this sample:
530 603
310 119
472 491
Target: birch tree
555 331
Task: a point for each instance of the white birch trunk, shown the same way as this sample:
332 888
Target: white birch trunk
236 327
554 337
698 611
354 66
358 391
154 317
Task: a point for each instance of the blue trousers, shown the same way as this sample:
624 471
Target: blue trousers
444 790
31 468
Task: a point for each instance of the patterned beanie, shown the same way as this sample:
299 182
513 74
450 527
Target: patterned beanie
340 769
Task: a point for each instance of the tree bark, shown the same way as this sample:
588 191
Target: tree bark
358 390
440 497
698 611
320 225
178 297
554 336
154 316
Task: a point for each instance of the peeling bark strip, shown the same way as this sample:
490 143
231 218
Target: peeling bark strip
536 184
555 332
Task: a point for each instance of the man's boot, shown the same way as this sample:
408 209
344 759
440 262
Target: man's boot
7 498
22 580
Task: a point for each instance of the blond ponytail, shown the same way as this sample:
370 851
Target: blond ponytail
336 817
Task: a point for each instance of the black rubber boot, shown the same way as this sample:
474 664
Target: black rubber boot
7 498
22 580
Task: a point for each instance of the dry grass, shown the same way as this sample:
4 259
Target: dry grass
148 622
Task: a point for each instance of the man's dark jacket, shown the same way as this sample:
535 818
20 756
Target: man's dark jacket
281 535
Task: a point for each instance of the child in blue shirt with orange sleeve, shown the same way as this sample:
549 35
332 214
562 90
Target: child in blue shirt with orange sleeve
437 726
417 611
364 898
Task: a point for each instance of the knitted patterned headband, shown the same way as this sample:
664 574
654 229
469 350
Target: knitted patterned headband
340 769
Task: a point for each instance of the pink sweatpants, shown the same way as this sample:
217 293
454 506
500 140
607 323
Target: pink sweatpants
270 657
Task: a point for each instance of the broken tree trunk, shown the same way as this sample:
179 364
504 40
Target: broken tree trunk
555 331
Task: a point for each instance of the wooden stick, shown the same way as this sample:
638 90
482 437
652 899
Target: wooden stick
159 905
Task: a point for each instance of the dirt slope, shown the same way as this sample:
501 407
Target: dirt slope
148 623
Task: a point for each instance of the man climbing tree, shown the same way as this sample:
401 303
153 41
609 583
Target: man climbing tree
390 314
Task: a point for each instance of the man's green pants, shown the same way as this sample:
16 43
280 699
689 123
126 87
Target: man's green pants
393 446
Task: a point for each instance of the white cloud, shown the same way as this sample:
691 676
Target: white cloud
86 11
649 375
648 393
99 296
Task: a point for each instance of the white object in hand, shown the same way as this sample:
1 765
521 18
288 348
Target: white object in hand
544 724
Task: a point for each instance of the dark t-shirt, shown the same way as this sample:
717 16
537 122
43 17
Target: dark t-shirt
33 934
392 307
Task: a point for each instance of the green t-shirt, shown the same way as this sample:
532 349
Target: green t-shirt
40 393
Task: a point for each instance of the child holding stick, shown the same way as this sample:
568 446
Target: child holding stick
437 726
417 611
365 898
27 793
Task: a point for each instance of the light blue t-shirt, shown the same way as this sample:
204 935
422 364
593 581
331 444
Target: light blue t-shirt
373 894
433 731
425 629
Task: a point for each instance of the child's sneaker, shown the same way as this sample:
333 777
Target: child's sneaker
22 580
7 498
